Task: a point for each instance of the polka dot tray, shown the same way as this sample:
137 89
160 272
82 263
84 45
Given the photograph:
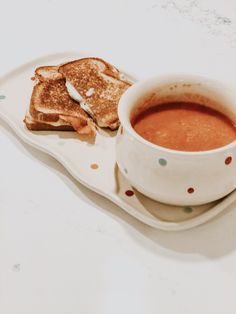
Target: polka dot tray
93 164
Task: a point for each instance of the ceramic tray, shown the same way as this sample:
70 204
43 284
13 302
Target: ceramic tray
93 164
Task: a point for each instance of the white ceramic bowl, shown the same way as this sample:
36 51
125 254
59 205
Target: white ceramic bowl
170 176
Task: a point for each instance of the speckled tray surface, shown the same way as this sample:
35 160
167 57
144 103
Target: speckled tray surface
93 164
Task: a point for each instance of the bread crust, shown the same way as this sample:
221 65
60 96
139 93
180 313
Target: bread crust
40 126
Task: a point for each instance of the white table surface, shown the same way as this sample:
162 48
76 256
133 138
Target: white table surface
66 250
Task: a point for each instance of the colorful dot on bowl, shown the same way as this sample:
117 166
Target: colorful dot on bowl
228 160
162 162
2 96
188 209
190 190
94 166
129 193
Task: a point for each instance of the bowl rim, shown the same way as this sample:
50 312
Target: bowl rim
162 80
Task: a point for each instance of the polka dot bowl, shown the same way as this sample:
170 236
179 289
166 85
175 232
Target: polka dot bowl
191 178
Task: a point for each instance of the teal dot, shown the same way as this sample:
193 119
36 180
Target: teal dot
162 162
125 170
188 210
2 96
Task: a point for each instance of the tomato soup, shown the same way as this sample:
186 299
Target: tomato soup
185 127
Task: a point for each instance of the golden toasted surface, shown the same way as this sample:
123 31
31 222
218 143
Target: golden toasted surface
99 85
51 97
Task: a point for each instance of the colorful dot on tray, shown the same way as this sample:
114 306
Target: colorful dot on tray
162 162
2 96
228 160
188 209
94 166
129 193
190 190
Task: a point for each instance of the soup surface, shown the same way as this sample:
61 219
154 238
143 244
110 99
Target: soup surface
185 127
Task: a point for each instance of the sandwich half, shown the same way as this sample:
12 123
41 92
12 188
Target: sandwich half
52 108
97 86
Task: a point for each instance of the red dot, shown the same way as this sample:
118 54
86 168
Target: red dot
228 160
190 190
129 193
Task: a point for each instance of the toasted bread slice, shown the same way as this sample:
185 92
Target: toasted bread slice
51 107
98 86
